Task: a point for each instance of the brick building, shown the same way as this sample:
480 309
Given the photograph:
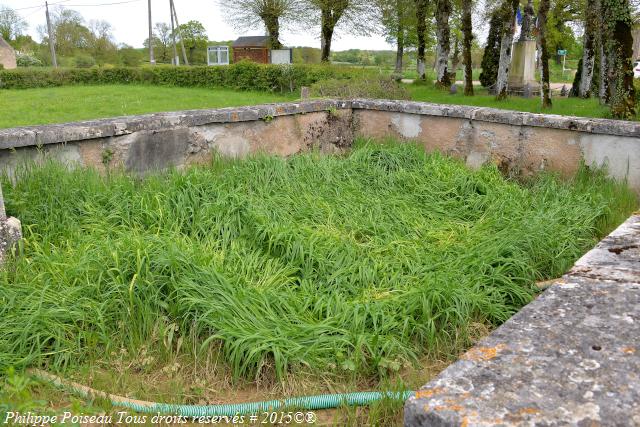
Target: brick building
255 48
7 55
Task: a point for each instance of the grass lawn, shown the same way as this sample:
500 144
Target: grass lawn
563 106
25 107
290 276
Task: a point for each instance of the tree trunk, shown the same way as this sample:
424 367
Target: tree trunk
326 35
467 38
588 55
399 12
510 8
272 24
443 31
545 93
622 98
330 15
399 51
421 27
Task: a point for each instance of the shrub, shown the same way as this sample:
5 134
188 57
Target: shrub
380 88
85 61
242 76
24 60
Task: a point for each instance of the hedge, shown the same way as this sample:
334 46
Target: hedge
241 76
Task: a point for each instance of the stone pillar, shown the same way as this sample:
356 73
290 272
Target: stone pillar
523 66
523 60
10 231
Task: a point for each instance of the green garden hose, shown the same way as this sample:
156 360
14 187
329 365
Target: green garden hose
324 401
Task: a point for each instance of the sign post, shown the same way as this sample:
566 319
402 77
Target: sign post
563 53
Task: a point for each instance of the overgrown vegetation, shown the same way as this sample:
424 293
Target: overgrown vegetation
375 87
354 265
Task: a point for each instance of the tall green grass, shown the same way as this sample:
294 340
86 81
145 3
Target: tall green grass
359 264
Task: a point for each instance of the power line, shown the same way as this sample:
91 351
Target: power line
102 4
76 5
40 5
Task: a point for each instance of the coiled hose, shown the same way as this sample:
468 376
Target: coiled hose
323 401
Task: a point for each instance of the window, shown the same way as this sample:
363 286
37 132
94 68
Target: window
218 55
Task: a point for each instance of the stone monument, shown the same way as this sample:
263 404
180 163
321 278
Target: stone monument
7 55
523 60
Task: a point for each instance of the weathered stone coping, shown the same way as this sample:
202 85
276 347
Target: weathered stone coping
571 357
85 130
92 129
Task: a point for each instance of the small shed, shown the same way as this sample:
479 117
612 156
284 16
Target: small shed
253 48
7 55
256 49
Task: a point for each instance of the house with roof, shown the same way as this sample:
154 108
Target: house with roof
7 55
256 49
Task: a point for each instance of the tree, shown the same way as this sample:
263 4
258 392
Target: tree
355 14
421 29
398 18
272 14
162 41
491 56
11 24
467 41
508 12
619 47
194 36
101 44
588 49
543 9
70 32
443 36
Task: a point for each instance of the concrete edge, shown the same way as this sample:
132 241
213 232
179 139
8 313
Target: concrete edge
571 357
91 129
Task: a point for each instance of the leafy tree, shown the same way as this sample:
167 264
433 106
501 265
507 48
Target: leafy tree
101 44
356 15
129 56
70 32
161 42
194 36
11 24
398 23
272 14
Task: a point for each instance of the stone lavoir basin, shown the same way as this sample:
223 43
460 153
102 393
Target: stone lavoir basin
571 357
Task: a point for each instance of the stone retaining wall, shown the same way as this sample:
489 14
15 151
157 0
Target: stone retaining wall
520 143
570 358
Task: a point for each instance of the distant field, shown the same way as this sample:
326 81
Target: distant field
64 104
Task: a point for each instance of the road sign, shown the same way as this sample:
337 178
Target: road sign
562 52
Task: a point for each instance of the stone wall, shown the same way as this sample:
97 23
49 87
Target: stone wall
519 143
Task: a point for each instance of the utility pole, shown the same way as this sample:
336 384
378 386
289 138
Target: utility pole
152 58
173 36
52 46
184 52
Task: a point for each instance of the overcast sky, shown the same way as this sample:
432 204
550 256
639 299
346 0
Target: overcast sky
129 21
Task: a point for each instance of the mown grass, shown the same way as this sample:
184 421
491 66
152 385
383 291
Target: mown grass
23 107
561 105
355 265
